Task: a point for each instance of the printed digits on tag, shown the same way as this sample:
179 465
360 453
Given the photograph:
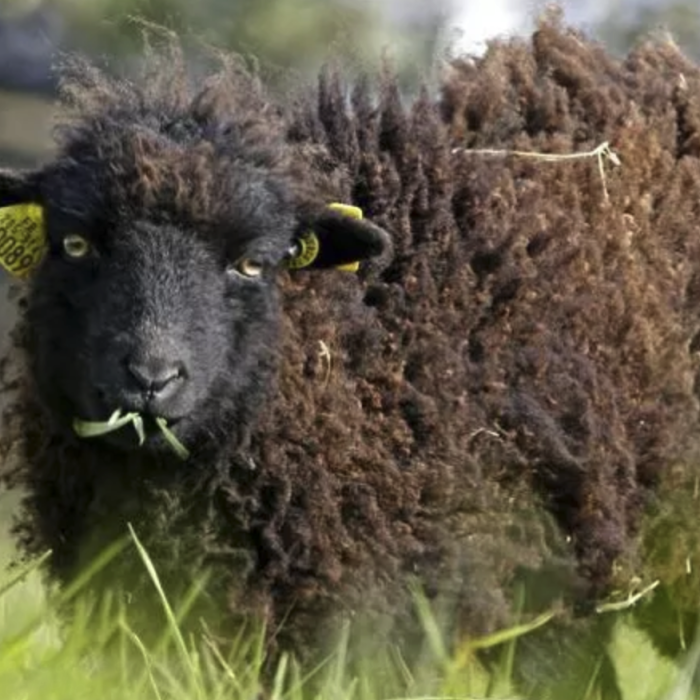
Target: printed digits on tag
14 255
25 263
7 243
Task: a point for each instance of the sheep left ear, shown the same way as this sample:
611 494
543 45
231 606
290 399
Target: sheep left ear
22 231
340 237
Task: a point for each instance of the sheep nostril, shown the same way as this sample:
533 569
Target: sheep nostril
155 374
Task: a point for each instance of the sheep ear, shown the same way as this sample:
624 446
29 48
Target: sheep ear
18 187
22 231
339 238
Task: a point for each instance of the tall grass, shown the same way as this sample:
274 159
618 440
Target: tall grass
96 654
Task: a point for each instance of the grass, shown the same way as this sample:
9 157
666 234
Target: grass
118 420
98 655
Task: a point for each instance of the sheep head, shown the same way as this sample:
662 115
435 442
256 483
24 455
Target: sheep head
164 228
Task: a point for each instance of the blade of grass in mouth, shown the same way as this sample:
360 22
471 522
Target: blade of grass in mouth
88 429
179 449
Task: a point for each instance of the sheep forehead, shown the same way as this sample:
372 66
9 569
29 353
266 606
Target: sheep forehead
140 166
136 173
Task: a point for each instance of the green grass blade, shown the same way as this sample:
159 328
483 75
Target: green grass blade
88 429
511 633
172 621
22 574
179 449
79 583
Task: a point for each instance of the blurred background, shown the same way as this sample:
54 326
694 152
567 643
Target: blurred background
416 34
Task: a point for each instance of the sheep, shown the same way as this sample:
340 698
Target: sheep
493 396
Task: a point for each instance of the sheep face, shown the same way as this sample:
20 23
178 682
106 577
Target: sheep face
158 325
157 292
139 312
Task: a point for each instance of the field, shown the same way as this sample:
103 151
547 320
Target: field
95 654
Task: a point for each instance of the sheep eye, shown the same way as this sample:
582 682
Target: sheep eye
248 268
76 246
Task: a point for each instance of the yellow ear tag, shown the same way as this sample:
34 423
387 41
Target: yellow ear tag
309 245
22 238
355 213
307 253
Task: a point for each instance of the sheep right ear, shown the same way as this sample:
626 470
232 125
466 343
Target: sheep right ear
22 231
340 237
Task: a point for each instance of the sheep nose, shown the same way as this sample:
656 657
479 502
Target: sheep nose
156 376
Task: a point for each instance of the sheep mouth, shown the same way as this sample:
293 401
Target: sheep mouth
145 426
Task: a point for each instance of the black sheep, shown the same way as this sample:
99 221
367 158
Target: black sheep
523 342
